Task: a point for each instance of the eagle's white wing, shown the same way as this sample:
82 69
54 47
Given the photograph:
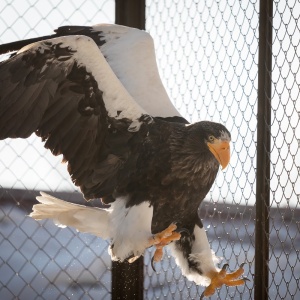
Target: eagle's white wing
131 55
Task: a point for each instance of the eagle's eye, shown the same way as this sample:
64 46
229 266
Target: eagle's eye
211 138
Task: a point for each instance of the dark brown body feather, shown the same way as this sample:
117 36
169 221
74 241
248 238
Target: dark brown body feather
173 170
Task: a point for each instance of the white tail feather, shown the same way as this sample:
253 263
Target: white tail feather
85 219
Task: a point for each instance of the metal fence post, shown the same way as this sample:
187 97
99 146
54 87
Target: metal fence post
131 13
128 279
263 151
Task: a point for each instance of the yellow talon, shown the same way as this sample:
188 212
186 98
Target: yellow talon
162 239
222 277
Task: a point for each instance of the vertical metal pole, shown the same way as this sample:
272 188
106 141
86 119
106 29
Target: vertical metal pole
261 280
128 279
131 13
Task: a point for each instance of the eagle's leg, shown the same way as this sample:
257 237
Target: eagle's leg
222 277
162 239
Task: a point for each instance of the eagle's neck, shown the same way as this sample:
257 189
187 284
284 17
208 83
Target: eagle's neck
192 162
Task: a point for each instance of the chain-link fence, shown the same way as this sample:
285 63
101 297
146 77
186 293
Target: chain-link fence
208 57
208 52
37 259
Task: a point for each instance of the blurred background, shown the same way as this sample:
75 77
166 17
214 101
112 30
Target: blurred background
207 54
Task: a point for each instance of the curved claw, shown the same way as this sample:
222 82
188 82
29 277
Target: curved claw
246 279
183 230
225 267
152 264
202 296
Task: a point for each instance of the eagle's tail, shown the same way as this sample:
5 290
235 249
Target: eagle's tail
85 219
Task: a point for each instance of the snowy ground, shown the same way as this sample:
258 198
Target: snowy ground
40 261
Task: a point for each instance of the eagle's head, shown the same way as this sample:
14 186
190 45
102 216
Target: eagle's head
216 139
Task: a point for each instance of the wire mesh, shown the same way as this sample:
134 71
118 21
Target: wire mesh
42 261
208 58
285 155
37 259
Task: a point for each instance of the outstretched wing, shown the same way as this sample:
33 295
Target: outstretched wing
131 55
64 90
85 92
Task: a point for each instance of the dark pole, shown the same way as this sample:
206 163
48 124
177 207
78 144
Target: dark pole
131 13
261 280
128 279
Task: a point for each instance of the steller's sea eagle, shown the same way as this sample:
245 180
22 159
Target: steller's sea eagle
93 94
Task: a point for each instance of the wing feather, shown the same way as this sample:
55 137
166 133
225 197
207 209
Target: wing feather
131 55
64 90
135 65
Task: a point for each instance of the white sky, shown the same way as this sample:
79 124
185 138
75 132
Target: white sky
207 57
26 164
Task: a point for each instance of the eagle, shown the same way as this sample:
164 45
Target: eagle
93 94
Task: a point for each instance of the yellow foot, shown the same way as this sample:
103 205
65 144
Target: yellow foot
222 277
162 239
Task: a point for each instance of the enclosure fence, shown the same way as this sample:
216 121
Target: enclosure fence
236 62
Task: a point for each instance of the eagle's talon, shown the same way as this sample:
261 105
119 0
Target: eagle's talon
181 230
223 278
152 264
159 237
236 274
202 296
225 267
162 239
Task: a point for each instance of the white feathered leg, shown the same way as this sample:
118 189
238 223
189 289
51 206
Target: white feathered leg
202 267
201 254
130 229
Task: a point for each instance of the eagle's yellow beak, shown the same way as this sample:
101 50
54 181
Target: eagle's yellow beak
221 151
